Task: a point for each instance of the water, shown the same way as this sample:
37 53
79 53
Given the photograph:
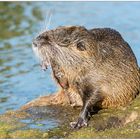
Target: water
21 78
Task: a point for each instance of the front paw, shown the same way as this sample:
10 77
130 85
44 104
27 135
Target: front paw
80 123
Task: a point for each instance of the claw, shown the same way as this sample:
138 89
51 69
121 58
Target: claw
80 123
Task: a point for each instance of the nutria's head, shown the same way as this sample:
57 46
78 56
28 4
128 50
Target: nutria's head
67 46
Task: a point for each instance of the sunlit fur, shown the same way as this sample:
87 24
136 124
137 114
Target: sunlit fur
107 63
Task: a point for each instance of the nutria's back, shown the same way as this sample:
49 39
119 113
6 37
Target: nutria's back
115 42
121 73
106 34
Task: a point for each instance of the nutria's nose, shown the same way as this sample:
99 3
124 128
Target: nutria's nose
35 43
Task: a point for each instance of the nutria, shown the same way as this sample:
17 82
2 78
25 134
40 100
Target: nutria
95 68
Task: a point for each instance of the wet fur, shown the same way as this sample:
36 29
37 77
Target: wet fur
96 64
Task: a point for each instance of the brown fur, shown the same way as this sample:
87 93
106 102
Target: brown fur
93 67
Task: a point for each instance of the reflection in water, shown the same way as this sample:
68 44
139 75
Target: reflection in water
17 65
14 20
4 99
21 79
11 21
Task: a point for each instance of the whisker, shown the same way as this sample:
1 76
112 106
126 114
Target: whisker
43 26
46 18
49 19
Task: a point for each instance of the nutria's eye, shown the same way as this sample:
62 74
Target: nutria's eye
81 46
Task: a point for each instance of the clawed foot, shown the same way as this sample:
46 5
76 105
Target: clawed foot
80 123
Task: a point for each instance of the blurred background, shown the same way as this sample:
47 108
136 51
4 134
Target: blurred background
21 78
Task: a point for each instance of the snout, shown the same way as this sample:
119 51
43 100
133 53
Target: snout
40 41
35 43
40 47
